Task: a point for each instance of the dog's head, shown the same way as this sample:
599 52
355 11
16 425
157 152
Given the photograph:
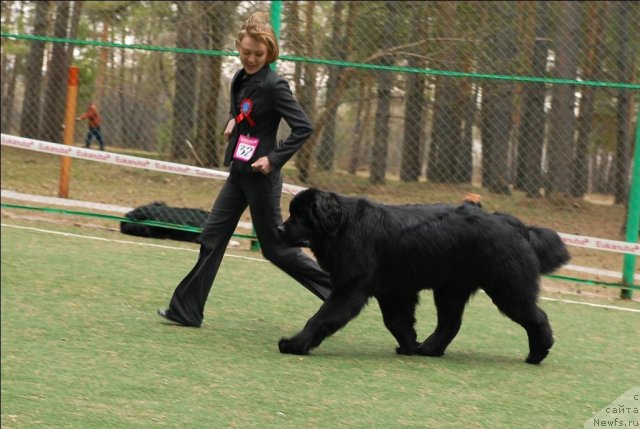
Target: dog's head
313 214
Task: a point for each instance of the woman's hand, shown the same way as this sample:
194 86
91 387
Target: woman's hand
229 129
262 165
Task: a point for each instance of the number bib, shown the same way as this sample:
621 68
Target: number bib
245 148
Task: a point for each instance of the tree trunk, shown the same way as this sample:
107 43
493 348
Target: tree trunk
340 50
526 35
414 124
414 113
623 17
497 101
562 123
470 109
469 106
56 91
325 156
603 173
446 150
102 62
291 17
205 82
210 139
137 110
308 93
9 75
594 44
379 152
73 31
363 117
532 125
185 90
30 118
122 101
9 96
7 15
331 106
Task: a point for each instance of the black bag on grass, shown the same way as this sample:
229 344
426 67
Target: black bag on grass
160 212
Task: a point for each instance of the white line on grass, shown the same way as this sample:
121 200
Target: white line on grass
89 237
610 307
7 194
137 243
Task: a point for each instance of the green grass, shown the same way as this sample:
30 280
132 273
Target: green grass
83 348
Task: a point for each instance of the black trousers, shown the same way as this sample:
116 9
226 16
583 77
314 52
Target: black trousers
262 194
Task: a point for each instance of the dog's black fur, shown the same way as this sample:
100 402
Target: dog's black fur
160 212
392 252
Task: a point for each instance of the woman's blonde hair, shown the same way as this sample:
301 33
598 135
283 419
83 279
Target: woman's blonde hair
258 28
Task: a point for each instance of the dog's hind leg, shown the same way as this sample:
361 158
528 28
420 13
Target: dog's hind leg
532 318
398 313
450 306
342 305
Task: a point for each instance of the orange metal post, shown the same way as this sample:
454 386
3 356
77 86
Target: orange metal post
69 128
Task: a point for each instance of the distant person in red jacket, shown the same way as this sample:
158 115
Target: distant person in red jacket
94 121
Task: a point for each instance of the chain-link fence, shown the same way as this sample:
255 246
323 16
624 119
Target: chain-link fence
530 104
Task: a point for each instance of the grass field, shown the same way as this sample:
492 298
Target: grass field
83 348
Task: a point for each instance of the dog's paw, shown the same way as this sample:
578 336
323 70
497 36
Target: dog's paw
426 349
538 353
403 351
536 358
407 351
292 346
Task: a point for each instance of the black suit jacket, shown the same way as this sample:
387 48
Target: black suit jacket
272 101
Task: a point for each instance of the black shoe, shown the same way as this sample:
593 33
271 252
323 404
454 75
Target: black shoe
166 314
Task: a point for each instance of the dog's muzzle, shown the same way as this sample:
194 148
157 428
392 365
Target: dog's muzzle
281 232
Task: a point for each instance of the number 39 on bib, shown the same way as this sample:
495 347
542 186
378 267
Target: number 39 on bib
245 148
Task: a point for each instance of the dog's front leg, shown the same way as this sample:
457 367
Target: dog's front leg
339 308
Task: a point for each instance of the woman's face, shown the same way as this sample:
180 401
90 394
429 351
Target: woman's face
253 54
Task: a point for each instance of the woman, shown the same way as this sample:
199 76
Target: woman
259 99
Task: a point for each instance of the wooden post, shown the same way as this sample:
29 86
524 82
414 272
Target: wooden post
69 128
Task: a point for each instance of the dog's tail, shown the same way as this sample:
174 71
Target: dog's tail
549 247
551 251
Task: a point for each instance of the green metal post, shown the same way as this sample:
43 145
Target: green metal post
276 19
633 215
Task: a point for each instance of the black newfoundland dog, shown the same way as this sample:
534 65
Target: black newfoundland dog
392 252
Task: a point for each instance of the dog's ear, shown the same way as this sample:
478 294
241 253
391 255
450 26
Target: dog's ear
327 213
